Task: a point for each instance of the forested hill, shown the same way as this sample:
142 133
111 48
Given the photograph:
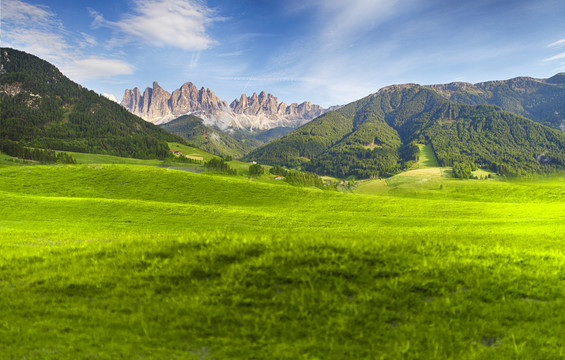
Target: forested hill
40 107
193 129
377 136
542 100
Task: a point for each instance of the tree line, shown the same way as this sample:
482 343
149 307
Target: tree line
44 156
299 178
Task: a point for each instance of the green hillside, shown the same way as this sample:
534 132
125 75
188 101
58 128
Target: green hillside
42 108
235 142
426 157
129 261
538 99
213 140
377 136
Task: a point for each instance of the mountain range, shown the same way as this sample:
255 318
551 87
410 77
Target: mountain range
378 135
511 127
255 112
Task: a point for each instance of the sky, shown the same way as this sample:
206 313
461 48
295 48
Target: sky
328 52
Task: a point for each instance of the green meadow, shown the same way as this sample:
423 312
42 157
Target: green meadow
427 158
107 261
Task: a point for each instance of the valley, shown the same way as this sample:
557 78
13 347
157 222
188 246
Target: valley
419 222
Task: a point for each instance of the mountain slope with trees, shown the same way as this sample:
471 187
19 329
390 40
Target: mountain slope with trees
542 100
377 136
193 129
42 108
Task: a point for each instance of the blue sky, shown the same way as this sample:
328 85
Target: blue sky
328 52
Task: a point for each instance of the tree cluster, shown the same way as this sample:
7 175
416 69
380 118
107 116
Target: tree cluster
256 170
462 170
298 178
220 165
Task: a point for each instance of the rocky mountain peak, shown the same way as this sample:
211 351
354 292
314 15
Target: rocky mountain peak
261 110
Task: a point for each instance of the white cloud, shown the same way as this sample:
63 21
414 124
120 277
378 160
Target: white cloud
334 60
92 67
233 53
255 78
21 13
339 21
46 45
352 16
34 29
110 97
557 43
560 56
87 40
556 57
194 60
177 23
37 30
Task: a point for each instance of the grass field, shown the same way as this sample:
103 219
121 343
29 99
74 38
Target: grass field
129 261
194 153
427 157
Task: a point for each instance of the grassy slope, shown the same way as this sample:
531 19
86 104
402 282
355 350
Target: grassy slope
213 140
192 151
107 260
427 158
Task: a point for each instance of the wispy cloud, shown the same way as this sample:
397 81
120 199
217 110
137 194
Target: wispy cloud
340 20
97 67
233 53
557 43
194 60
560 56
87 40
555 57
47 45
255 78
178 23
38 30
334 59
33 28
21 13
349 17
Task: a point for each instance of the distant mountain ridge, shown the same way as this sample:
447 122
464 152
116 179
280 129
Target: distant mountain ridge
542 100
253 112
213 140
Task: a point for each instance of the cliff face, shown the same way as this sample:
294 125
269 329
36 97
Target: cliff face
261 111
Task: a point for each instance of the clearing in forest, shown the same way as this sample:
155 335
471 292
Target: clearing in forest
427 157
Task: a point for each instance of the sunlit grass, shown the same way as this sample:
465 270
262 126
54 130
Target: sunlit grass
427 158
109 261
192 151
